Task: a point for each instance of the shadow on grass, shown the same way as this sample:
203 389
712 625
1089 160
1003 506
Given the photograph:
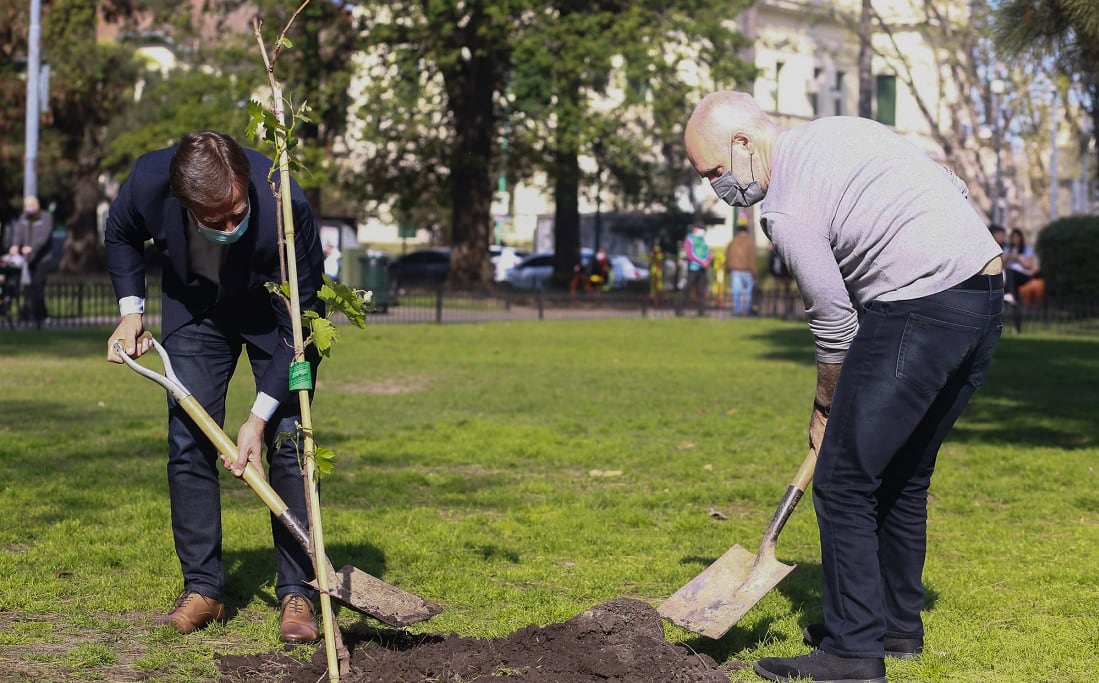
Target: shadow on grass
1039 390
246 571
802 590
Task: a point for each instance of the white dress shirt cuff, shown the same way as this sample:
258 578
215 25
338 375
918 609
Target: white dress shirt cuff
264 407
131 304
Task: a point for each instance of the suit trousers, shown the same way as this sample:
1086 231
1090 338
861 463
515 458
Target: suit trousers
204 356
909 373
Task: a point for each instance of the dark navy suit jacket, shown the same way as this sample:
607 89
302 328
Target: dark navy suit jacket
239 302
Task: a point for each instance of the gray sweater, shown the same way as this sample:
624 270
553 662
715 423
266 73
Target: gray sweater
858 214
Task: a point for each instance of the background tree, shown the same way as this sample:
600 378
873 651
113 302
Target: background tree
449 83
13 92
959 104
866 58
609 81
1066 31
88 84
444 64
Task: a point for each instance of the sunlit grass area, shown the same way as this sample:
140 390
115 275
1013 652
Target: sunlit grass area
519 473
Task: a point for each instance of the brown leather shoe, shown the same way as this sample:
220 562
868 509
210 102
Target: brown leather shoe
193 611
296 621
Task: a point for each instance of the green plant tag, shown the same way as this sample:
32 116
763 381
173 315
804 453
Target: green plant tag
301 376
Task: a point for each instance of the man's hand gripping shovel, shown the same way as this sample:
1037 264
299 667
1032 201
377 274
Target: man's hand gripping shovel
712 602
349 586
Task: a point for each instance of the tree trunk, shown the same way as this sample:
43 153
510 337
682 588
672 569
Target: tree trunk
866 54
81 254
471 202
566 213
470 87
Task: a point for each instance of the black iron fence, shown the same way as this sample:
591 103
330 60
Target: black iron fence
77 302
90 302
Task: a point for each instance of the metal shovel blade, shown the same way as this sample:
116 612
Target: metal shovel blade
712 602
373 597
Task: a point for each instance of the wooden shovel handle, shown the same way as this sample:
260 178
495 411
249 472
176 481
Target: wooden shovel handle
224 444
805 472
253 477
789 501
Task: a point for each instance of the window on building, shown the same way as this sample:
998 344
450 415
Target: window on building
837 94
885 98
814 95
778 81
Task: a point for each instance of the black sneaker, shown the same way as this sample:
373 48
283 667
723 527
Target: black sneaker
897 648
821 667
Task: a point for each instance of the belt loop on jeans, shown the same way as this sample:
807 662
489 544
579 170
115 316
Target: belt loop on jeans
985 283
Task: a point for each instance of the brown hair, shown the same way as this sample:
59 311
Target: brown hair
205 167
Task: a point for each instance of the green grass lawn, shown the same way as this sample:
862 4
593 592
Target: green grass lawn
519 473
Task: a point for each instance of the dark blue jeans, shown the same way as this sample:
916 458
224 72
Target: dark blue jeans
204 357
908 375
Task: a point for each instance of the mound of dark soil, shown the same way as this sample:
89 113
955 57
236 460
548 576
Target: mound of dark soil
621 641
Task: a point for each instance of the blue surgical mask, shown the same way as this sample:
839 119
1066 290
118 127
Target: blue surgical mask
221 236
732 192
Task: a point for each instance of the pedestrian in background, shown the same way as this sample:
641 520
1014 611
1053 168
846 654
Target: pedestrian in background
696 254
32 239
599 277
207 206
1021 265
903 289
740 261
717 277
656 275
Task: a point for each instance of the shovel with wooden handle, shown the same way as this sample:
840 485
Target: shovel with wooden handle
712 602
349 586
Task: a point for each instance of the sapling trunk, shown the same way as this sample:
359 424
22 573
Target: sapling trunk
332 638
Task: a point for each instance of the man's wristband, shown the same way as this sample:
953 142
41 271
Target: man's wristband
821 408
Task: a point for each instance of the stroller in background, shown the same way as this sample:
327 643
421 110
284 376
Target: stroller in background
11 277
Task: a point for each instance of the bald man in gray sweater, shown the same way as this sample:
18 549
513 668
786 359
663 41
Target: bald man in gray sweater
903 289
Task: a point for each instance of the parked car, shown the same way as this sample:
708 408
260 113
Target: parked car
624 269
537 269
533 271
423 267
627 270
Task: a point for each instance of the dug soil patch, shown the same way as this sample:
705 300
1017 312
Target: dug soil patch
617 642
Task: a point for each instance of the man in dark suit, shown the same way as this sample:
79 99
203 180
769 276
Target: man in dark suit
207 206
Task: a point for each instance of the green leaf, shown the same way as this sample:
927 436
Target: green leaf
324 334
286 42
324 459
282 288
353 303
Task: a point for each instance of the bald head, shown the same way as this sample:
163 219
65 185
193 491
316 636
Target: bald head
722 119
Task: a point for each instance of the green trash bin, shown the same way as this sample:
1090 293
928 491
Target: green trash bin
374 277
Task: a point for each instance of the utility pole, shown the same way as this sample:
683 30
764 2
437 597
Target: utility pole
30 156
998 191
1053 179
